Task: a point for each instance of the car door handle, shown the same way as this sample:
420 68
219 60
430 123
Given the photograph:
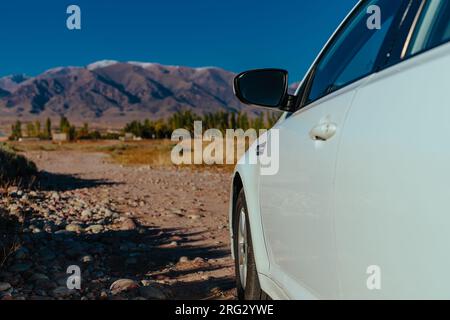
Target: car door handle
323 131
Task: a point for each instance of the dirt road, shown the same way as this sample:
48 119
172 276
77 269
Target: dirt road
135 232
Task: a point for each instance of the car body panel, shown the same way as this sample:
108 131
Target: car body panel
392 183
250 177
297 202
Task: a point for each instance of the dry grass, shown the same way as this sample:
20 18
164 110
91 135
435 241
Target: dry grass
146 152
153 152
10 227
15 169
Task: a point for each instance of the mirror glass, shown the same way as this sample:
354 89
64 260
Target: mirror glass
266 87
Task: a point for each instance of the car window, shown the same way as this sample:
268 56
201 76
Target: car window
354 51
433 28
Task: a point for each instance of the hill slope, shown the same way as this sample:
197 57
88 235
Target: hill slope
110 93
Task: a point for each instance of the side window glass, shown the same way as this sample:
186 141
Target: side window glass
354 52
433 27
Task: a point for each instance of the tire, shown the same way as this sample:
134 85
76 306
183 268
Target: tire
247 282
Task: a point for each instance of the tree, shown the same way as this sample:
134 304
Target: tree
64 124
71 133
95 135
233 121
258 122
272 118
16 131
83 133
243 121
37 127
48 129
67 128
31 130
221 120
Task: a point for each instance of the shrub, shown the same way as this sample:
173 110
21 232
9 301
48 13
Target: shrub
15 168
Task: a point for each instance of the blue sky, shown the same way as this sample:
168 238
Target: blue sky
232 34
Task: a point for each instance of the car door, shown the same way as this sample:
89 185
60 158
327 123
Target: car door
392 180
297 202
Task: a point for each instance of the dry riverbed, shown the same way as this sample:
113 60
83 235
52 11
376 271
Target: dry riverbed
136 232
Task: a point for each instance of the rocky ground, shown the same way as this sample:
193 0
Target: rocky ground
134 232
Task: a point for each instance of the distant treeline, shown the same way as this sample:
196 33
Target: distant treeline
185 120
148 129
35 130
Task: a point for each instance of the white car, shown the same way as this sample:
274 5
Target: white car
360 205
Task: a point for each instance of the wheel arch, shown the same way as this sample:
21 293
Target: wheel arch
247 178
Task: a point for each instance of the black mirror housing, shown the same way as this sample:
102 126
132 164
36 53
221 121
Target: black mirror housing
263 87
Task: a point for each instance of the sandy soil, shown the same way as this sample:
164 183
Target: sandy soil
181 214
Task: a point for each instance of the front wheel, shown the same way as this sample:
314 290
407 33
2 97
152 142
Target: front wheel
247 282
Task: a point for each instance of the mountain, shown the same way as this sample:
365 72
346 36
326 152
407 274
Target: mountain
4 93
110 93
293 87
10 83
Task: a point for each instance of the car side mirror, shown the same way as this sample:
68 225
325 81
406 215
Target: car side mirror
263 87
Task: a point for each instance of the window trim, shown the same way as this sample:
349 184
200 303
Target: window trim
413 30
382 60
394 53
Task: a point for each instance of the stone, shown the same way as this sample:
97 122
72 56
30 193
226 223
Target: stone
21 253
61 292
55 196
103 295
87 259
40 293
46 254
96 228
183 260
86 214
107 213
62 232
122 285
20 267
74 228
152 292
173 244
45 284
5 296
127 225
4 286
131 260
199 260
38 276
146 282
